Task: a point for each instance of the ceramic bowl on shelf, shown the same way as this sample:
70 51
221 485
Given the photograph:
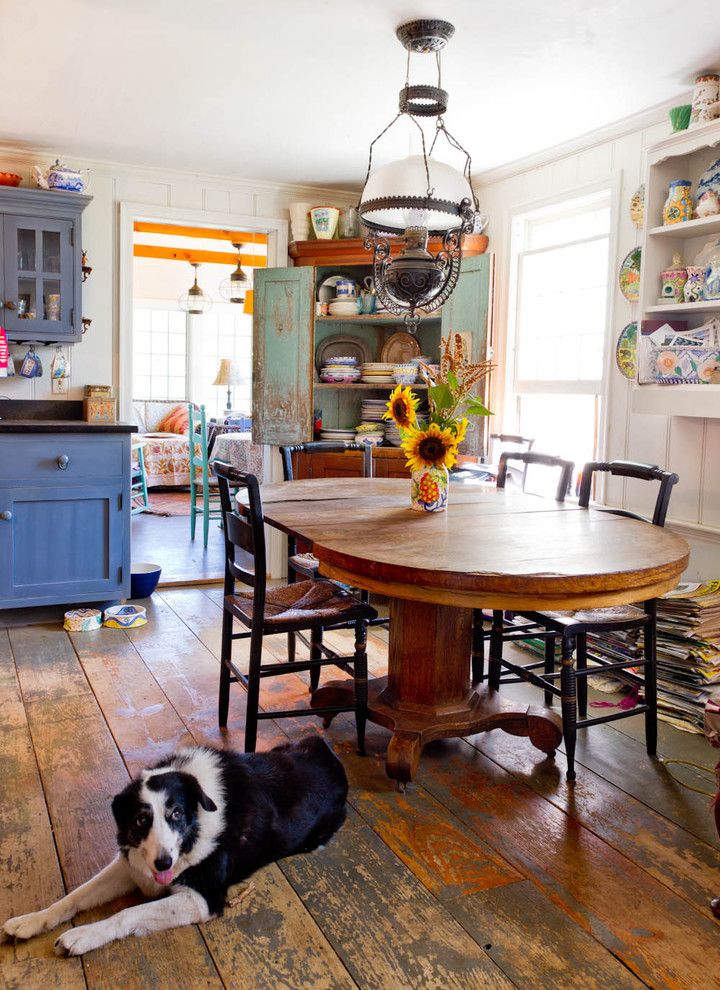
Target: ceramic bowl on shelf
324 220
344 307
405 374
370 439
348 359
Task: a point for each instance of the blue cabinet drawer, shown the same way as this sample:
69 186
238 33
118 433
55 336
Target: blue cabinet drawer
61 458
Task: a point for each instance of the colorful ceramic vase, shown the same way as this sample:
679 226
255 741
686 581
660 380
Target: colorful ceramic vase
678 206
693 288
429 489
705 96
680 117
711 289
673 281
324 220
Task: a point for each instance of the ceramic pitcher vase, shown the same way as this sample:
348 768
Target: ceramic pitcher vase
429 489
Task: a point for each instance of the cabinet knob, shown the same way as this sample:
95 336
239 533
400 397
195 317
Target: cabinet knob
9 304
6 515
63 461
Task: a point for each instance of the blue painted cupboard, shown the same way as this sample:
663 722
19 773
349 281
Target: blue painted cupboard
41 265
64 516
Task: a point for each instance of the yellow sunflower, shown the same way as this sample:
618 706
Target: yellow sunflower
433 447
401 407
461 427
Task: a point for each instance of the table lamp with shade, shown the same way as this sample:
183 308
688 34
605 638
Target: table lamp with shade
229 375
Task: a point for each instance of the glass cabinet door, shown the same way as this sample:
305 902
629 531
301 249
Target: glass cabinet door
38 278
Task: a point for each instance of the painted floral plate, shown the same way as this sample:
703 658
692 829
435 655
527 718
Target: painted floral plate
626 351
629 277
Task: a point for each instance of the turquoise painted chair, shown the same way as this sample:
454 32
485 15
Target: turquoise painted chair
204 494
139 500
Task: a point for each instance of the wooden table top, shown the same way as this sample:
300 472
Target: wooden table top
493 548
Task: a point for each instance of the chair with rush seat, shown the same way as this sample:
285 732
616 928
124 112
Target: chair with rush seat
528 459
305 565
305 605
573 629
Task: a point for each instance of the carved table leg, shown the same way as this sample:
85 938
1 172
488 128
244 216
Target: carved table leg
427 694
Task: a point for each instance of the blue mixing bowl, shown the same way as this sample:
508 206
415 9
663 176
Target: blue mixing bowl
144 579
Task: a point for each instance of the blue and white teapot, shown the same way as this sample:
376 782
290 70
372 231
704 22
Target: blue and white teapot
60 177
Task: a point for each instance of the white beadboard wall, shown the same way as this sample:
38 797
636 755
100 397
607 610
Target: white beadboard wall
95 360
689 446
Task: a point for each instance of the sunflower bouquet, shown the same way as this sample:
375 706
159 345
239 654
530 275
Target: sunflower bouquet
431 444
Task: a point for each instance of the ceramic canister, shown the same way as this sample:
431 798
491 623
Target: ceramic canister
693 288
673 282
705 94
678 206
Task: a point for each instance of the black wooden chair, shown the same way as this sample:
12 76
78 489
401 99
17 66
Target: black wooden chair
529 459
573 629
304 605
305 565
468 472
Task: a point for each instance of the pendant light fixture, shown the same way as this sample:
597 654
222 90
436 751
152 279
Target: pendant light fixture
233 289
194 301
418 197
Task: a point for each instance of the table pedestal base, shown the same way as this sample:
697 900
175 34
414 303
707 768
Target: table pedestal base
427 694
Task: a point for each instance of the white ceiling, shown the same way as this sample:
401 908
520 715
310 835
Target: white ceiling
294 90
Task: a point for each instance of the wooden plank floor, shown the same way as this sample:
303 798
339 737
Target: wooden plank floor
489 872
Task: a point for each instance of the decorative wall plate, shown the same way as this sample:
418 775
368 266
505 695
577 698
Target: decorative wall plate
626 351
629 277
637 206
400 348
342 345
710 179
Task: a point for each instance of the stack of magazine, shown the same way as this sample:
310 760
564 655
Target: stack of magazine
688 653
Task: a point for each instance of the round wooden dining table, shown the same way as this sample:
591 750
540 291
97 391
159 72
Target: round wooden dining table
493 549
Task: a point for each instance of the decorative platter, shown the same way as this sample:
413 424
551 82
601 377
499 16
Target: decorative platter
626 351
629 277
710 179
400 348
637 206
342 345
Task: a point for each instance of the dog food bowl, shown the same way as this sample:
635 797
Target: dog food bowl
144 579
124 616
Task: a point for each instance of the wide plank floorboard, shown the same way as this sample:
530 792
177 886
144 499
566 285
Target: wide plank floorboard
488 872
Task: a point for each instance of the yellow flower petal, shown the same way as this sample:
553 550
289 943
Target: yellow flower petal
433 447
401 407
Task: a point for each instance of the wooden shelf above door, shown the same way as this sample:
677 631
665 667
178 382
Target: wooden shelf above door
352 251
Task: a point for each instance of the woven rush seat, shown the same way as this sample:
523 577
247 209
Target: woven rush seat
591 616
302 603
304 562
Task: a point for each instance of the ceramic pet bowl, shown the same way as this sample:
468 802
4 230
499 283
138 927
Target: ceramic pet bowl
124 616
405 374
144 579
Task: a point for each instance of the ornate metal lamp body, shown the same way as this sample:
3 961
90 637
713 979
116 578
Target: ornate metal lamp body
194 301
418 197
233 288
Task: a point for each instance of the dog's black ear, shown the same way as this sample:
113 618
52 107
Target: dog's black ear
123 805
196 792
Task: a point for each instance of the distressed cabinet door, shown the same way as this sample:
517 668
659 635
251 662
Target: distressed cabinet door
468 311
62 545
283 355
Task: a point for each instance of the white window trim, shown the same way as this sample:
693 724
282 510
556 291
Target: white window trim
613 183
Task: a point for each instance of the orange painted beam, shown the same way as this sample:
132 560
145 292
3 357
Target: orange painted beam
203 257
212 233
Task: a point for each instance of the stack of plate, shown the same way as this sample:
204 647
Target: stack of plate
373 410
341 370
337 434
343 307
378 373
392 434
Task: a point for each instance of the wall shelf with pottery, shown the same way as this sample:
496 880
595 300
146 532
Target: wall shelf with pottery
687 155
677 400
363 385
377 318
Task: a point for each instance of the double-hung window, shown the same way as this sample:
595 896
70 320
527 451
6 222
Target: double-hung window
558 318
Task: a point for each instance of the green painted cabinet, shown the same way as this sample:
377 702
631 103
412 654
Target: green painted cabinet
286 332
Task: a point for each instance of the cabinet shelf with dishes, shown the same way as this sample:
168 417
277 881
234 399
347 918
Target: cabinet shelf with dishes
291 341
683 156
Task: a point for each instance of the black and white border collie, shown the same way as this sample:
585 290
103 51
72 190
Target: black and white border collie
191 827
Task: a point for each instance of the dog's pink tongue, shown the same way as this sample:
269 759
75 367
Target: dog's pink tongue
163 878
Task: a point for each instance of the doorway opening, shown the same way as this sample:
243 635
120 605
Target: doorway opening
190 385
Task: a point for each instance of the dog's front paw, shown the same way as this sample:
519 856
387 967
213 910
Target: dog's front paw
27 925
78 941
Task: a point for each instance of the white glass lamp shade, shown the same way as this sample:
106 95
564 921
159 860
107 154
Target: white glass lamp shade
228 373
194 301
406 178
